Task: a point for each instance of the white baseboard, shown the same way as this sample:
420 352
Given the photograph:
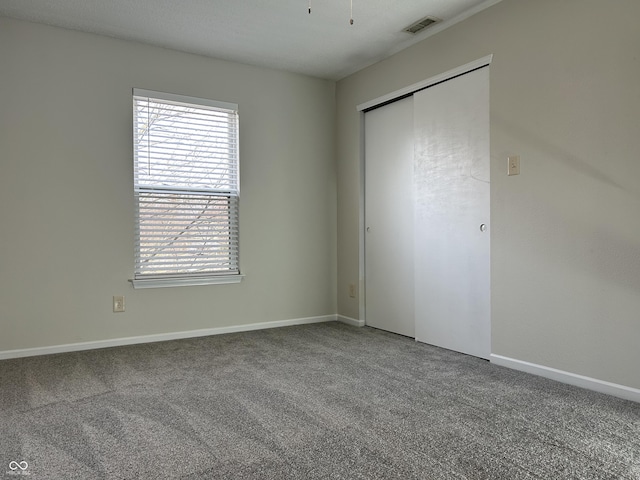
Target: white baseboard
350 321
621 391
159 337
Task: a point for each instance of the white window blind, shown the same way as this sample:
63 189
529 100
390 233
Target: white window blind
186 181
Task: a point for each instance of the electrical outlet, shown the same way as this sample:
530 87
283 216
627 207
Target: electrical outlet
118 303
352 290
514 165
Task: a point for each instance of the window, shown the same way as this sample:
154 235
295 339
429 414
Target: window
186 182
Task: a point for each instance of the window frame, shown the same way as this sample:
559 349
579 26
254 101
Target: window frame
184 278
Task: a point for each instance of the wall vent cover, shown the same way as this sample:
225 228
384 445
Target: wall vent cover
421 25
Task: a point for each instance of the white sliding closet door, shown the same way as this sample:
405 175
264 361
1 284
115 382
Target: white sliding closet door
451 228
389 274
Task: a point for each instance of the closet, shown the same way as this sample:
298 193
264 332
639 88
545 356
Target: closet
426 212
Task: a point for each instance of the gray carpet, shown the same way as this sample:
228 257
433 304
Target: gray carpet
310 402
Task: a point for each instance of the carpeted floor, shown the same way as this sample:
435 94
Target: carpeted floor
323 401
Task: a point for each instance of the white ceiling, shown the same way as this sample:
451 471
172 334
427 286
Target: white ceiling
274 33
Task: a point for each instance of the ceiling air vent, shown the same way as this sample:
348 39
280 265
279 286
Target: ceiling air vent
421 25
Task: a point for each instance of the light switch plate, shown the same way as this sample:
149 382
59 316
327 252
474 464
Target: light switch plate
513 165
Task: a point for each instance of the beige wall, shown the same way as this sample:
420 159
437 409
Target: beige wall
565 96
66 190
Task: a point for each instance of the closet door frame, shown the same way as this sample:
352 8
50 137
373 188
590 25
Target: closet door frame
379 102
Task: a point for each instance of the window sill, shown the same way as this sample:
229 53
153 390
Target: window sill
185 281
